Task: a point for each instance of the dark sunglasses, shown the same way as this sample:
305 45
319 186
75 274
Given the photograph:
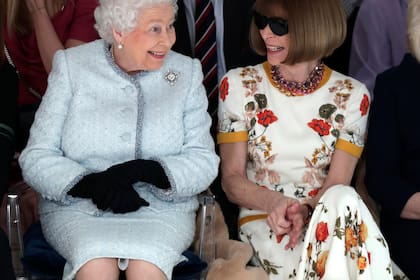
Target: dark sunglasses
277 25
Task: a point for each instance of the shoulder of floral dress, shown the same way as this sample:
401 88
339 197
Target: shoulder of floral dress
340 76
346 84
241 71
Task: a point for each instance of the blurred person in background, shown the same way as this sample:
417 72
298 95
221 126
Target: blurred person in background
393 151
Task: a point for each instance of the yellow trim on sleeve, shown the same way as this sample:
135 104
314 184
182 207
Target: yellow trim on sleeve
248 219
232 137
348 147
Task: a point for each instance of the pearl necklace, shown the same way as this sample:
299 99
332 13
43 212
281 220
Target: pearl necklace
293 88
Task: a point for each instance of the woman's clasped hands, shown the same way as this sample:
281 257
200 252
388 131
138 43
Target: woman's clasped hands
113 188
287 216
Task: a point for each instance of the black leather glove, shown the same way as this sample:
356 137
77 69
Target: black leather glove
127 200
107 193
143 170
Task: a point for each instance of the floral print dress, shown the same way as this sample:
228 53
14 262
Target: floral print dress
291 140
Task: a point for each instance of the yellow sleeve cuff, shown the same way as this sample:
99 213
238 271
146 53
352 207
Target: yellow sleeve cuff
348 147
232 137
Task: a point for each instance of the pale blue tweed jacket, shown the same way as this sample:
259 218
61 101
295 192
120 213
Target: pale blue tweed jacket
94 115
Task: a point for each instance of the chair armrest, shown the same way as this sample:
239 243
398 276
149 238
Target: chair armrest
206 226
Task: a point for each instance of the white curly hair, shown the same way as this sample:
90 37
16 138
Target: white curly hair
413 28
122 15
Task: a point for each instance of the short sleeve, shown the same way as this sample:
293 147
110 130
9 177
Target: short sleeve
356 111
232 125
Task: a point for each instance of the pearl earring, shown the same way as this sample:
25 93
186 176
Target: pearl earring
120 46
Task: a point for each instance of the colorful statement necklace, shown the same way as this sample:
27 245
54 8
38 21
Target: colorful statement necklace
293 88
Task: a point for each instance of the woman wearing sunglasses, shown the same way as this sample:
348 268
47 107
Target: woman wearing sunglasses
291 131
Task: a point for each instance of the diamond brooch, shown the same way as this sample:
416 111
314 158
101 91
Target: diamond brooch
171 77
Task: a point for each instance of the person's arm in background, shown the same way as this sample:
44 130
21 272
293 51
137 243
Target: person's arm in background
370 49
47 38
411 209
384 159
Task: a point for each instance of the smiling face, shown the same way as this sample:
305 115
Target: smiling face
277 46
147 45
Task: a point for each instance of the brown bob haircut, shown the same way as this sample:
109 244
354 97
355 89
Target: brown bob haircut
316 27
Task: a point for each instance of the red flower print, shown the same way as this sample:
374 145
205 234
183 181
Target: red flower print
224 88
266 117
314 192
320 126
321 232
364 105
279 237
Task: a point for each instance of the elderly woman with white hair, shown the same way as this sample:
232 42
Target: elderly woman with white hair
393 153
120 147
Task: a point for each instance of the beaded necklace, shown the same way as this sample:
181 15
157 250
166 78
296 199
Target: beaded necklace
293 88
